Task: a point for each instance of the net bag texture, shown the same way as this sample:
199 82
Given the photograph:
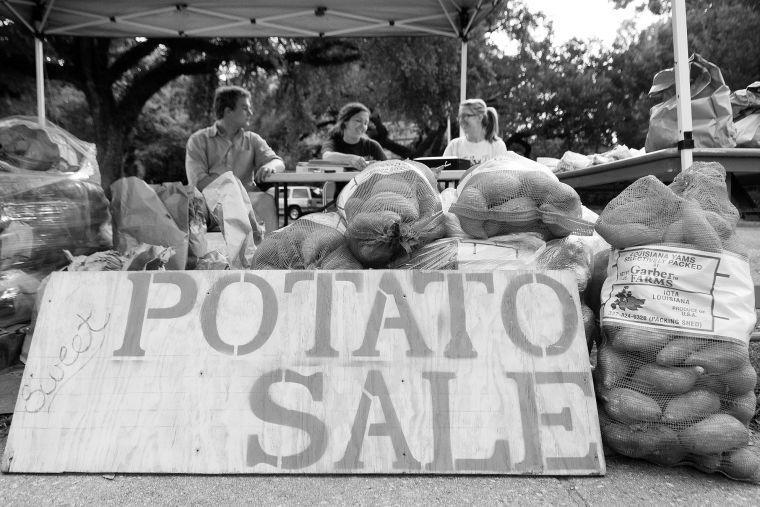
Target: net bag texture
673 378
392 208
315 241
694 210
515 194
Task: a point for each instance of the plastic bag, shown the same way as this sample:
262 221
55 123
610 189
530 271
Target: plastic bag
712 119
392 208
188 209
515 194
315 241
17 292
513 251
746 102
41 214
25 146
231 208
140 217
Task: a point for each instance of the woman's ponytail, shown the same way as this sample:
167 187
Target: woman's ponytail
491 124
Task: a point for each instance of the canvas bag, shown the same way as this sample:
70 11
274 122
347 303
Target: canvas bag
712 118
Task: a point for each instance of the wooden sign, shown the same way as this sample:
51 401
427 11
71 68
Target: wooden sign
308 372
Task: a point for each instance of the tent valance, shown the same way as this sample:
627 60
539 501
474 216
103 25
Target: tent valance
249 18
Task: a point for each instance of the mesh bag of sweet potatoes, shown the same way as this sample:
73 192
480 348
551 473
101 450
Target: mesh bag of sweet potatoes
315 241
515 194
392 208
674 380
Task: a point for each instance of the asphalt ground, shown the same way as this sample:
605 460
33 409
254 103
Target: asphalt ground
628 482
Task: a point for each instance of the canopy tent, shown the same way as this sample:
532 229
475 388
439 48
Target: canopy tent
292 18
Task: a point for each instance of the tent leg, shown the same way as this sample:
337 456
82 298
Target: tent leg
683 88
39 58
463 73
463 76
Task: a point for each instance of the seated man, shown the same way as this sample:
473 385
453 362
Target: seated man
227 146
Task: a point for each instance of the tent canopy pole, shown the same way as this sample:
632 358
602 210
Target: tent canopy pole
39 61
683 87
463 75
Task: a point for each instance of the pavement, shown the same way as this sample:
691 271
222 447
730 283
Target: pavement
628 482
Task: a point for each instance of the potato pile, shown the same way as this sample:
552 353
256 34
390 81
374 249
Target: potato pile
502 197
391 209
676 398
314 241
694 210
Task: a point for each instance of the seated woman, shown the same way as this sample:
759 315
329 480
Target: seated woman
348 143
480 127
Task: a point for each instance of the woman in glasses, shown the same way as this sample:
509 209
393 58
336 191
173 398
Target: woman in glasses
348 143
480 133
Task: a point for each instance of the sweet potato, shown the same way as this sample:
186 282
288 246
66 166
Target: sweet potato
629 406
666 379
741 406
742 464
718 357
691 407
639 340
675 352
714 434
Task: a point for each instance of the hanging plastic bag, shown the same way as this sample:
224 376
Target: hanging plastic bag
712 119
746 108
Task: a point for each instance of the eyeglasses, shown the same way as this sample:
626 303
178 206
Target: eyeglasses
466 115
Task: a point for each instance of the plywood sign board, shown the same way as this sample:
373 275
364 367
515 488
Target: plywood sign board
308 372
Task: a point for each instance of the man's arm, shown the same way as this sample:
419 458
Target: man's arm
265 160
273 166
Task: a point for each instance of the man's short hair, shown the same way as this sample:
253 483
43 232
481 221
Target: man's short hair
228 96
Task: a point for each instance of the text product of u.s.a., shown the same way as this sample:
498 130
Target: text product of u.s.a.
308 372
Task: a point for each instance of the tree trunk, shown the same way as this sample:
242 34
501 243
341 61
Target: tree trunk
111 145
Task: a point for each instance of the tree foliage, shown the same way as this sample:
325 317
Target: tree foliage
149 95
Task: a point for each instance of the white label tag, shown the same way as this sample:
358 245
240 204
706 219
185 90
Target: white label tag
681 290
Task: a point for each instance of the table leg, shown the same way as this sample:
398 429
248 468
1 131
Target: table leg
285 204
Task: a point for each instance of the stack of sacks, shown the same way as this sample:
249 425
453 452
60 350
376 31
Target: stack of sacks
674 379
515 194
315 241
50 201
392 208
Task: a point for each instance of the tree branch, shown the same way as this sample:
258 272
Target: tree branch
130 58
